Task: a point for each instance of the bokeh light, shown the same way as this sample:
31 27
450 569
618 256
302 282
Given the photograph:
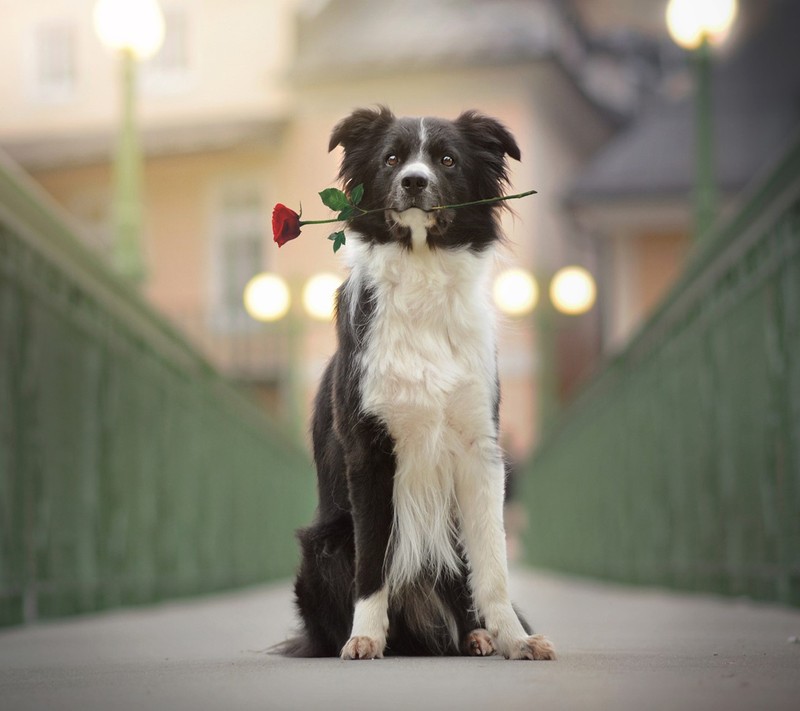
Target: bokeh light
136 25
515 292
688 21
266 297
573 290
319 296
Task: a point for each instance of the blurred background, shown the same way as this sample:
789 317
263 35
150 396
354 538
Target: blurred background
160 138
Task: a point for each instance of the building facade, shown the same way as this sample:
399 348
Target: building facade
235 113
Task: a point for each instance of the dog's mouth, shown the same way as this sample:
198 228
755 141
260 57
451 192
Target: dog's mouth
435 221
410 217
422 202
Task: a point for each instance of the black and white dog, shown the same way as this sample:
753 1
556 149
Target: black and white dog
406 554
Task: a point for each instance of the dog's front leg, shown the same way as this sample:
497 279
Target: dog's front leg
370 480
479 489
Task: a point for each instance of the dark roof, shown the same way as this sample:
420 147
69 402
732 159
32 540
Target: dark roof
365 37
351 39
756 104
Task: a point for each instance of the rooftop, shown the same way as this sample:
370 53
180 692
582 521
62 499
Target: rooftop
756 105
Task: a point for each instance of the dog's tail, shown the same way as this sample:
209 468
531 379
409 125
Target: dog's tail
298 646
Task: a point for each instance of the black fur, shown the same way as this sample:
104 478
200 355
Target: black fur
345 549
477 143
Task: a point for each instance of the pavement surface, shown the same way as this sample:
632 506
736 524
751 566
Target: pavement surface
619 648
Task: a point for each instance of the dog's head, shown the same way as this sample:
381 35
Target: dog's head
411 164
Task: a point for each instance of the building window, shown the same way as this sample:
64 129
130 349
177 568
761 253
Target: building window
54 61
169 70
237 254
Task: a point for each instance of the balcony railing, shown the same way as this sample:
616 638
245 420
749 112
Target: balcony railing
680 464
130 470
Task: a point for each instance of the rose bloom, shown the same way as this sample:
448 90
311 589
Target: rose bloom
285 224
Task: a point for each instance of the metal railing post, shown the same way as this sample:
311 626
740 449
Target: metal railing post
127 201
705 188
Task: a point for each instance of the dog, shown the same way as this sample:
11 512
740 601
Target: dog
406 554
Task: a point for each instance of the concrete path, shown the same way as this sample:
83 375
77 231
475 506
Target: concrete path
620 648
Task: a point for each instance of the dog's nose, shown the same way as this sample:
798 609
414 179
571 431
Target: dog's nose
414 183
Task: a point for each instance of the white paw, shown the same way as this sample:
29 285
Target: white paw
478 643
536 646
362 648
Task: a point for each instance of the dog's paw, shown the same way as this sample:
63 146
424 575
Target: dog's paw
362 648
478 643
536 646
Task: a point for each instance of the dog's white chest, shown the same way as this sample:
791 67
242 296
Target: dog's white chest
428 373
431 336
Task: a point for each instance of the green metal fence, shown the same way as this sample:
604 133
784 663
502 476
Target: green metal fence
129 470
680 463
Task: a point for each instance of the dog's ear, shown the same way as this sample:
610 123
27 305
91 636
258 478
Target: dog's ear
488 134
361 123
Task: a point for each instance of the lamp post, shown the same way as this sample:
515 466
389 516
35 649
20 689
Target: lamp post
135 30
697 25
268 298
572 291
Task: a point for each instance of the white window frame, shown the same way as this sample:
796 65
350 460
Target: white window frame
53 79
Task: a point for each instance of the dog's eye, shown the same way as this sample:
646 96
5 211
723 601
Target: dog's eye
448 161
392 160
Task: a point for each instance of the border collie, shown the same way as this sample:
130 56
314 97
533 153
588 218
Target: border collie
406 554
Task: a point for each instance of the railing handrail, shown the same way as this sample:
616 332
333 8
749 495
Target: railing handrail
766 197
680 464
51 231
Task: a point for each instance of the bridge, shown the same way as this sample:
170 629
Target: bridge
132 473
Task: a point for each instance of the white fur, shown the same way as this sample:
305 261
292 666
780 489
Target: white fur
370 618
429 374
418 222
418 167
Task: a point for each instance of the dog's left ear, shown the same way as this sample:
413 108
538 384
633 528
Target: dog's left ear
489 134
361 123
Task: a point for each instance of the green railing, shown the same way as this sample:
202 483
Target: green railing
680 463
130 471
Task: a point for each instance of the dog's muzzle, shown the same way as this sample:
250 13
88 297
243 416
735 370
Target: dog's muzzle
414 184
415 187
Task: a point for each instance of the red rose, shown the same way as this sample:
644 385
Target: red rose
285 224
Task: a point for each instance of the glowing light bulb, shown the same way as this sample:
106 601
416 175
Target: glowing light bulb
266 297
515 292
319 296
689 21
573 290
135 25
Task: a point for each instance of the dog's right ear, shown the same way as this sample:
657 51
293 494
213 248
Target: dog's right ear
361 123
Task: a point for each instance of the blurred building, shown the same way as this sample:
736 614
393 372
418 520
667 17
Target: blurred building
235 113
632 195
213 112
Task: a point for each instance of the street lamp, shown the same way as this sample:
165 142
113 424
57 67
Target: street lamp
515 292
268 298
572 292
319 296
697 25
135 30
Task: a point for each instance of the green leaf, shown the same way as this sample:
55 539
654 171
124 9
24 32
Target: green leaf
334 198
338 240
347 213
356 194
